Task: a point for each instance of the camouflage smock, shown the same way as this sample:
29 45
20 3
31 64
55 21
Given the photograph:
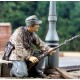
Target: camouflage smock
22 44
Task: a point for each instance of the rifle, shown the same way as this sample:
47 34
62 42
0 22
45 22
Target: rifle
47 53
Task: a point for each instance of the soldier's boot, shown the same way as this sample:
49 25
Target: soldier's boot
41 75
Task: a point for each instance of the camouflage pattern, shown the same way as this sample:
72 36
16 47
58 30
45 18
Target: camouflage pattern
32 20
23 44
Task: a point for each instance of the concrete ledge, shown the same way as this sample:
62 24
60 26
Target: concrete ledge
69 54
4 61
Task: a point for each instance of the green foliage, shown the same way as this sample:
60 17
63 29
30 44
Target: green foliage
68 23
42 12
68 14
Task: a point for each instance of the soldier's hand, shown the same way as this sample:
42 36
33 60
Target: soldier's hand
52 51
33 59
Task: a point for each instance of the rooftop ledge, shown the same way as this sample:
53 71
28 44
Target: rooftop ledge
69 54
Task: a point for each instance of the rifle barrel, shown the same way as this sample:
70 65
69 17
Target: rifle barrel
64 43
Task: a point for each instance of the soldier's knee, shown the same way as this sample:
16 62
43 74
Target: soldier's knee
21 74
18 73
19 69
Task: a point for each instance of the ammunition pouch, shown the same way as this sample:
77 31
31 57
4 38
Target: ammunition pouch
7 51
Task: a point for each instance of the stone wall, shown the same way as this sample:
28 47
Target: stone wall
5 33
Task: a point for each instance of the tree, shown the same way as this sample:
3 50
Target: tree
68 13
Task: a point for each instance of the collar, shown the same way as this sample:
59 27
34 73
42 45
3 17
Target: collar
27 31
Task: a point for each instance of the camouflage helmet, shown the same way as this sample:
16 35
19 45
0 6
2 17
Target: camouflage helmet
32 20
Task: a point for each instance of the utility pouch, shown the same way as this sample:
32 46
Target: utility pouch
7 51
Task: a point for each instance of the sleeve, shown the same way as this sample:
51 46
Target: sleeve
17 39
40 44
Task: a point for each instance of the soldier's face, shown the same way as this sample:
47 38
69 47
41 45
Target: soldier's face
35 27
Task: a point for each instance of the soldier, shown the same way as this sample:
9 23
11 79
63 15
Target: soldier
22 39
